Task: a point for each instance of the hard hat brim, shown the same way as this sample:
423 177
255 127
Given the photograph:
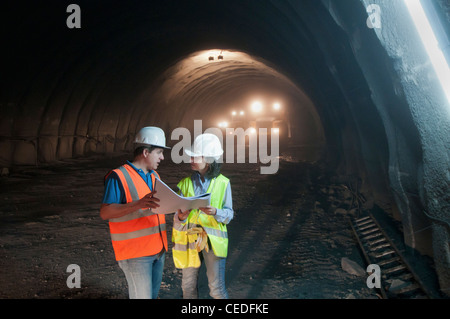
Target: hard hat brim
192 154
152 145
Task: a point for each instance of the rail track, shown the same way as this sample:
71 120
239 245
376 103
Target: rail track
398 279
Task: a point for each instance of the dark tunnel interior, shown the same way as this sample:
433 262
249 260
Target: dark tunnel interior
361 100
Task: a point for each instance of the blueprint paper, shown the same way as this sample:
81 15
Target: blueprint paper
170 202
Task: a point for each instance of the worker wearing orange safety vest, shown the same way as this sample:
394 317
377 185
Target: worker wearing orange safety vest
139 237
201 234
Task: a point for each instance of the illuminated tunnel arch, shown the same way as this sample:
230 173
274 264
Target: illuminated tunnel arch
198 89
375 114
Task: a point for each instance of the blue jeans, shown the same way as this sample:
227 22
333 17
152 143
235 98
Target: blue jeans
215 271
144 275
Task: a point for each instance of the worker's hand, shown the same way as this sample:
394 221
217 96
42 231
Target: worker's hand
183 215
209 210
149 201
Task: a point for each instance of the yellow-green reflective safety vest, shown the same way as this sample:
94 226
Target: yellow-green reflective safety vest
184 253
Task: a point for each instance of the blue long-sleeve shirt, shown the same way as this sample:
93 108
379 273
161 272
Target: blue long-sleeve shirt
224 214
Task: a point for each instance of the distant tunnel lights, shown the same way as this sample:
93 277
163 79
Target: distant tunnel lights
431 44
257 106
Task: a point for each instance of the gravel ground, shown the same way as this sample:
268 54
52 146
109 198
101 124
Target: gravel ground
285 242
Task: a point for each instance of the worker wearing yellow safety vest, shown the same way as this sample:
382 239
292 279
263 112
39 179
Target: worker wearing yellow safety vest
201 234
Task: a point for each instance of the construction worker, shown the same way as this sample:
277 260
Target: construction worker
139 237
200 235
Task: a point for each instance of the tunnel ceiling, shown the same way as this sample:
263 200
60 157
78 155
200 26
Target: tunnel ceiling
69 92
199 88
72 91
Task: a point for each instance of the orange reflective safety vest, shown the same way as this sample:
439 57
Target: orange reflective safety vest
140 233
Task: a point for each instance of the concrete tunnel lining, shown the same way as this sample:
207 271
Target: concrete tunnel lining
81 97
73 92
210 91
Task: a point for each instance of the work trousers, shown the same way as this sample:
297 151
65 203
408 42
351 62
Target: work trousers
144 275
215 271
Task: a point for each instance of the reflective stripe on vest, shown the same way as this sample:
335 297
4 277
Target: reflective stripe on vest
184 253
140 233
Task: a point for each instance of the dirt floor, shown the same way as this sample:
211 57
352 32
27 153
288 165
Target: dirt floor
286 241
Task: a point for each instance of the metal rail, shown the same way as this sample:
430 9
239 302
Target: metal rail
380 250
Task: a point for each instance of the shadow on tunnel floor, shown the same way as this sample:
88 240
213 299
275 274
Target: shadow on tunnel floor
286 240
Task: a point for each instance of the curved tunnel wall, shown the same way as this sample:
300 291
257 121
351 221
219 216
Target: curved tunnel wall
80 86
195 88
67 93
416 118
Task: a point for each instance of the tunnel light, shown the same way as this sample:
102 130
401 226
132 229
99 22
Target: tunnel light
431 43
276 106
257 106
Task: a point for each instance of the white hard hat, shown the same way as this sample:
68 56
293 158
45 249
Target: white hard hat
151 136
207 145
